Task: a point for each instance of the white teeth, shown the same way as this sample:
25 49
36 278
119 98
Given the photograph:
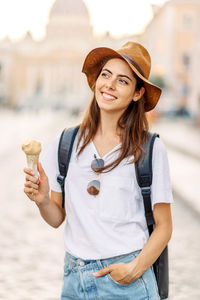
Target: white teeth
108 96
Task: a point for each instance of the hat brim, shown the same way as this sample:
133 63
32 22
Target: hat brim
93 64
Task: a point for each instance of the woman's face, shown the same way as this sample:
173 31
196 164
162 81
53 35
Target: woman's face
115 86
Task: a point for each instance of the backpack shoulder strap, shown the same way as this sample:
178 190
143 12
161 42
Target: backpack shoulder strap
64 154
144 177
143 168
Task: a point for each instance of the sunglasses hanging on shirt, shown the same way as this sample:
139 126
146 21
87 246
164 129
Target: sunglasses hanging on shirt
93 186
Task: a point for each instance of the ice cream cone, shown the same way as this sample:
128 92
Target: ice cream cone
32 161
32 150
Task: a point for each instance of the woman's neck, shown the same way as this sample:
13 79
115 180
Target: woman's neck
108 125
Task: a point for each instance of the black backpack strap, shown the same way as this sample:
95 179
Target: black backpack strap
143 168
144 175
64 154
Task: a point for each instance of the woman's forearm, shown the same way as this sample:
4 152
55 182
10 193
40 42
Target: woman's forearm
155 245
37 189
158 239
52 213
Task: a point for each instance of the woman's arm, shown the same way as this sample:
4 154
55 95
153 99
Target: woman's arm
158 239
126 273
38 191
52 211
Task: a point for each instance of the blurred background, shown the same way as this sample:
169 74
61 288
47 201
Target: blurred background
42 90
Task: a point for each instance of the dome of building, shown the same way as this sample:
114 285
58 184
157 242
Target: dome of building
68 7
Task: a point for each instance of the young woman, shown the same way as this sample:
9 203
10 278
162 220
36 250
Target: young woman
108 251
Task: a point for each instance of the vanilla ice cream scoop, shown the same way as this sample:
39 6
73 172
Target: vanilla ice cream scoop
32 149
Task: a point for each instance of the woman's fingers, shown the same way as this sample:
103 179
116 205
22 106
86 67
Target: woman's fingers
31 193
41 171
30 190
102 272
29 171
31 178
30 184
36 188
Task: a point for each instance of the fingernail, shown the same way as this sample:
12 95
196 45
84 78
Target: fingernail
95 273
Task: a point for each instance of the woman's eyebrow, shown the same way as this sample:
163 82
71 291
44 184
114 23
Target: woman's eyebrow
107 71
119 75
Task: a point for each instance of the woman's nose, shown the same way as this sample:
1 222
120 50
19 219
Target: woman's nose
110 84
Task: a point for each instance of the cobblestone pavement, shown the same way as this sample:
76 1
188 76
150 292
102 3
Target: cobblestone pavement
31 252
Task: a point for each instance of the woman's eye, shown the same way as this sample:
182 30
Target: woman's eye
123 81
105 75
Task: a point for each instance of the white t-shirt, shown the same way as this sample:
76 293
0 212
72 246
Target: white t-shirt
111 223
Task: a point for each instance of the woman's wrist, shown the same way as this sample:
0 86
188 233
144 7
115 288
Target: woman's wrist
138 266
46 201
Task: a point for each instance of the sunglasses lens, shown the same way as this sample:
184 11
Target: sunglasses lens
97 164
93 187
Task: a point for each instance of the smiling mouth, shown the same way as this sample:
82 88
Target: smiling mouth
108 97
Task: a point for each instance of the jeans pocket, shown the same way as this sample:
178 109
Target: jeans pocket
118 283
123 259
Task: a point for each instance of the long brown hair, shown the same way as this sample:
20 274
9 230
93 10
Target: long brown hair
133 125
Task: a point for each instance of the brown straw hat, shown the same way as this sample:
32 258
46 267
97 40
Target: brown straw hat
137 58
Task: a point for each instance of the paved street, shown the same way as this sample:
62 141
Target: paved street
184 252
31 252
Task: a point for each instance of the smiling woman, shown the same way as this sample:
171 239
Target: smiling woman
111 87
105 69
109 253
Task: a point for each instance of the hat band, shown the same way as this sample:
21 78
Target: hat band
133 62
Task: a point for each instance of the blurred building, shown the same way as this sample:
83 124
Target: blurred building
173 38
48 72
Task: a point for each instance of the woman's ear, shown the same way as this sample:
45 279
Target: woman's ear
138 94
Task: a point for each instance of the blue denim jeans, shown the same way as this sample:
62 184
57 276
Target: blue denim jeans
80 283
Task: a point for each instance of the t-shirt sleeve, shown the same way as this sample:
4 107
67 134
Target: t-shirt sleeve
49 162
161 183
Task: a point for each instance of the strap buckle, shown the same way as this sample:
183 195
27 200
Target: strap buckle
61 179
146 190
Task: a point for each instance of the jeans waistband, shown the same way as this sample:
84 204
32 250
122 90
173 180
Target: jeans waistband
79 262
